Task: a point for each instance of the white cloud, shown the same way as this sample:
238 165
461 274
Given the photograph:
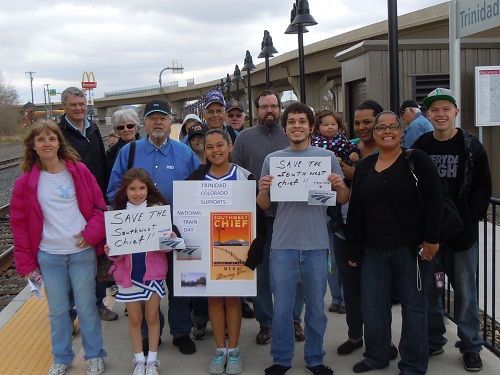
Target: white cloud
127 43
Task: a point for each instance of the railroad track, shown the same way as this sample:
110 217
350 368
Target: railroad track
11 284
9 163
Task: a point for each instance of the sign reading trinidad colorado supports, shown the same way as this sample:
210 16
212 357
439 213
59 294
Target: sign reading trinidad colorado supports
217 222
487 95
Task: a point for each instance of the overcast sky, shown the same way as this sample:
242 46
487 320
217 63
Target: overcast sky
126 43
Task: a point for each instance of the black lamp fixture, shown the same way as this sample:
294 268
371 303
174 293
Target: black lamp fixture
302 19
267 51
227 86
248 65
237 78
294 29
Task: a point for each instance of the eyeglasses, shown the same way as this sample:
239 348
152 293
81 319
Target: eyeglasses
122 127
213 112
383 128
266 107
231 115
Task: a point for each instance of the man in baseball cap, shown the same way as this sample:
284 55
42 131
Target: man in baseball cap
440 94
214 113
235 115
416 123
157 105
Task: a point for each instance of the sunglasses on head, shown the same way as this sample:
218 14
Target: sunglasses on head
121 127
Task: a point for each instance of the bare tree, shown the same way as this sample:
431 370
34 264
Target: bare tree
10 113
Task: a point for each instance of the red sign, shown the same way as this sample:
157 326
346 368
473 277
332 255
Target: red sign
89 85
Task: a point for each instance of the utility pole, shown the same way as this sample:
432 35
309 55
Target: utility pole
48 113
31 83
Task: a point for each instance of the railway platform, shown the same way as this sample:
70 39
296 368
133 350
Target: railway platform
25 346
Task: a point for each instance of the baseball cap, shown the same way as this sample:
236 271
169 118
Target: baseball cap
191 116
439 94
408 104
234 104
214 96
157 105
197 128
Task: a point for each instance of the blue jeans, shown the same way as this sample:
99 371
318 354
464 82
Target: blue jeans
179 309
461 267
79 270
263 302
380 271
351 281
286 265
334 277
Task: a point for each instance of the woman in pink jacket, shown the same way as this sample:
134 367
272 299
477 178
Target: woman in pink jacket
57 218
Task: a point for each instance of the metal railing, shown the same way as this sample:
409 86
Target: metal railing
485 282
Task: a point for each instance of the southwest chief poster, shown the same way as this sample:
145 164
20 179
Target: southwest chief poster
217 222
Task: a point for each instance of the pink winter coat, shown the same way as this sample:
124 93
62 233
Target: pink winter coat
156 267
26 217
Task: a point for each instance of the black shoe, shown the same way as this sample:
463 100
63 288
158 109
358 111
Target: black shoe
393 352
246 310
437 351
320 370
361 367
185 344
472 361
264 336
145 344
348 347
277 370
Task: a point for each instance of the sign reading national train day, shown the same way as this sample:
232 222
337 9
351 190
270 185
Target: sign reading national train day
135 231
294 177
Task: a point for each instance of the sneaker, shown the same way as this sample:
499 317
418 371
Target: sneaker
472 361
199 331
218 365
348 347
96 366
58 369
185 344
299 332
234 362
113 290
152 367
437 351
264 336
320 370
140 368
106 314
277 370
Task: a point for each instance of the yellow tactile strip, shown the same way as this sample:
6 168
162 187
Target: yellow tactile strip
25 340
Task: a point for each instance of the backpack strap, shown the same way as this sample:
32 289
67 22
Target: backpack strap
131 155
409 160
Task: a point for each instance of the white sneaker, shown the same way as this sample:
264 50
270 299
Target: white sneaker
218 365
234 362
58 369
140 368
96 366
152 367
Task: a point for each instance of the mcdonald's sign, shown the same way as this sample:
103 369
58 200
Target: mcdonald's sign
88 80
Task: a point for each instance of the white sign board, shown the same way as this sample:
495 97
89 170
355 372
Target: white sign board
217 222
294 177
487 95
135 231
474 16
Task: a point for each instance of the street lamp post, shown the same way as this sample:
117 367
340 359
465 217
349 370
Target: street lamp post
175 69
300 21
238 79
266 52
248 65
228 85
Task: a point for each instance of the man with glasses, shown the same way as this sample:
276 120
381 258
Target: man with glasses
166 161
214 113
416 123
250 149
235 115
84 136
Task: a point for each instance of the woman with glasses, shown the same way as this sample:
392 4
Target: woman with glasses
392 232
126 124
